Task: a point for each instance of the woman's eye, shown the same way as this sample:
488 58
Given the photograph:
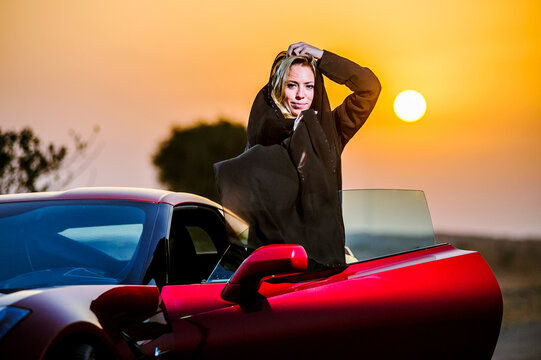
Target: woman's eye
291 85
310 86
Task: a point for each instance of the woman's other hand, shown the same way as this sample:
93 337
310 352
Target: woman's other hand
304 48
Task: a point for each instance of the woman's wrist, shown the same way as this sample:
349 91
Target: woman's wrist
318 54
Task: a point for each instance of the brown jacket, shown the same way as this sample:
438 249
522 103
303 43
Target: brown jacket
267 125
285 185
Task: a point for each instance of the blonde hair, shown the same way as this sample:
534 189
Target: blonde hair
279 79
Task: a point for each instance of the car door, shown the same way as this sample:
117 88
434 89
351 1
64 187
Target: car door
416 300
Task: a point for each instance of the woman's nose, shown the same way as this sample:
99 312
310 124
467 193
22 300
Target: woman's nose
300 93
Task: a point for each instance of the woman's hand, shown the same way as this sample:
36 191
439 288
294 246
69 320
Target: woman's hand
302 48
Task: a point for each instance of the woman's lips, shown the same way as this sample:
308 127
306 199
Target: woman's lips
298 105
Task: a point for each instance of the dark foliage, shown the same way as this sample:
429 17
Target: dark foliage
27 166
185 160
23 161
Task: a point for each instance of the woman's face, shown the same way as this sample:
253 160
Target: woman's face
299 89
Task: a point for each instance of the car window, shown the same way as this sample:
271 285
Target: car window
385 222
229 263
377 223
237 251
202 240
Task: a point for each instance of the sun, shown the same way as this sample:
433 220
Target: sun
409 105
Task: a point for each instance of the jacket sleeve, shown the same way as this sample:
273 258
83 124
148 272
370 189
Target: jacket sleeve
356 108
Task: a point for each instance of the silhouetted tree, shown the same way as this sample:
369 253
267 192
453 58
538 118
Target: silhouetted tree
25 166
185 160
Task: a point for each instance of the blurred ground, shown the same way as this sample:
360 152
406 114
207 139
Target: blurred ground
517 267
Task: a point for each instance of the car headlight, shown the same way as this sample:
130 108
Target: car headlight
9 317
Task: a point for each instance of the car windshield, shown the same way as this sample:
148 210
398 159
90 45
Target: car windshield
52 243
384 222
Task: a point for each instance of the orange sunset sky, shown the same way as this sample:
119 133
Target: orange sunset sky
136 68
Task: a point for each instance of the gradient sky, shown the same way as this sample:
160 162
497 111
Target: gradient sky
136 68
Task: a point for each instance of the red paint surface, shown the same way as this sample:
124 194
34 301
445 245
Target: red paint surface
435 303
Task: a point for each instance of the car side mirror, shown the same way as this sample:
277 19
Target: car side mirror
266 261
121 307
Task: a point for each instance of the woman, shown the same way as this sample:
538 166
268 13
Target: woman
286 184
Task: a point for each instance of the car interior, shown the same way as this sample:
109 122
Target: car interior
197 241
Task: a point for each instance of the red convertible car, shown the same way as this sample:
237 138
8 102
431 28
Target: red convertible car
121 273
